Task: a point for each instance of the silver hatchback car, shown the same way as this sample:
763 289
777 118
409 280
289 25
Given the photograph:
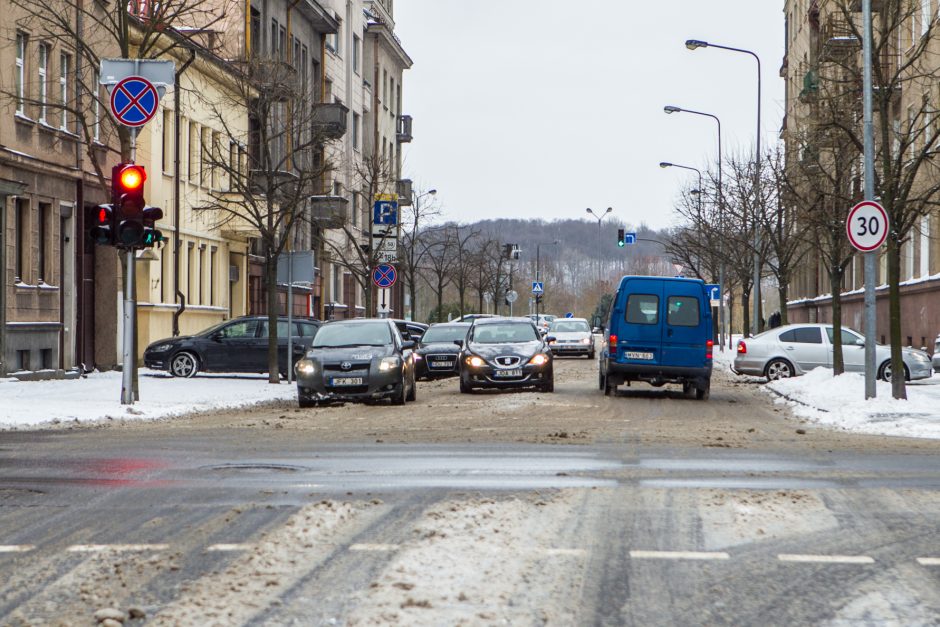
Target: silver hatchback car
795 349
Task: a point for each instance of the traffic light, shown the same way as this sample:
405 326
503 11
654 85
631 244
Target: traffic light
127 198
103 230
151 235
620 238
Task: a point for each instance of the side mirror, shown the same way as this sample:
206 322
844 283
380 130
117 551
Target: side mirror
408 345
860 342
459 343
216 337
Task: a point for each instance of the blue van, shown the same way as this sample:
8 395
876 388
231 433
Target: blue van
659 331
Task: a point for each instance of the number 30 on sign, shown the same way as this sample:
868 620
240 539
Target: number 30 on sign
867 226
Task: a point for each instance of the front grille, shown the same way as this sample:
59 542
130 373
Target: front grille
508 361
338 366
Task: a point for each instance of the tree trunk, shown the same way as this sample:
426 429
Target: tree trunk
730 320
783 293
413 294
898 387
270 271
745 313
838 360
440 301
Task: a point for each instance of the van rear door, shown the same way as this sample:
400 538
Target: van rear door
641 330
687 324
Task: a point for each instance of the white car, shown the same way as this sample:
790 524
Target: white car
795 349
571 336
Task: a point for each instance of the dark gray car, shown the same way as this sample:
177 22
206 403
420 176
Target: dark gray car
357 360
505 353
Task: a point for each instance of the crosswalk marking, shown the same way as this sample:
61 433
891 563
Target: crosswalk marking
373 547
228 547
16 548
680 555
928 561
98 548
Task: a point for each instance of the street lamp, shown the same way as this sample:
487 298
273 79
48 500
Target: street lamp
669 110
694 192
694 44
600 218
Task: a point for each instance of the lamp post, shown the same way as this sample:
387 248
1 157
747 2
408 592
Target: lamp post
600 218
669 110
694 192
694 44
538 274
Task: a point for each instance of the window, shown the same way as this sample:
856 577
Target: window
391 91
43 71
242 330
273 42
643 309
216 160
802 335
21 225
213 254
355 209
191 269
192 167
355 130
199 273
44 210
96 106
848 337
385 89
925 16
167 140
282 50
682 311
304 64
357 43
20 69
65 66
204 157
255 32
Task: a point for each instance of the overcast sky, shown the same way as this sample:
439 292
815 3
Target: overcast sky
541 109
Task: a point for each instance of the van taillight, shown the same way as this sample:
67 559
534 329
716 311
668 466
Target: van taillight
742 347
613 341
709 345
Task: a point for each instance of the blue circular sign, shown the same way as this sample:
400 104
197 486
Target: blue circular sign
134 101
384 275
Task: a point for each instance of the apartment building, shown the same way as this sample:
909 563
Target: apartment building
823 90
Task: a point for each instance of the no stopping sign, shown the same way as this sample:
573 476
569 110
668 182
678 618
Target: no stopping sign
867 226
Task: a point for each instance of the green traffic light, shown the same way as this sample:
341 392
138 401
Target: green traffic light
620 243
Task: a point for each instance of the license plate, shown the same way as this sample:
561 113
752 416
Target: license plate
337 381
635 355
515 372
442 364
445 362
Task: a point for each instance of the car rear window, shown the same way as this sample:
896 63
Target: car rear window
566 326
682 311
643 309
802 335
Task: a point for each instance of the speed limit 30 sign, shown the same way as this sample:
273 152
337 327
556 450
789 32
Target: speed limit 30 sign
867 226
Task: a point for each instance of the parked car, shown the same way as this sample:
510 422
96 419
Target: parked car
357 360
572 336
795 349
936 355
411 330
436 355
542 321
474 316
237 345
659 331
505 353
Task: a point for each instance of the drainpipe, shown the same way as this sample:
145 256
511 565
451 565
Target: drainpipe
3 285
180 297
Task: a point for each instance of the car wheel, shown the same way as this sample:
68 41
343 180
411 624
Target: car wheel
704 393
465 388
413 392
591 355
607 387
306 402
548 386
778 369
184 365
884 373
688 390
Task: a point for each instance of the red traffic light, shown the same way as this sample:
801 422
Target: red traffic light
132 177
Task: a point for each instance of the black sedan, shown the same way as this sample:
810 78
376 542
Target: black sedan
506 353
437 353
237 345
357 360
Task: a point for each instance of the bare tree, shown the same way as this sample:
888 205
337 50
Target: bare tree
463 240
268 189
415 220
439 253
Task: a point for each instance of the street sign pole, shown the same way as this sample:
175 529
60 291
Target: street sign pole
128 395
871 261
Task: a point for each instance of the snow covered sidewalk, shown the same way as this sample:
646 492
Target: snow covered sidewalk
97 397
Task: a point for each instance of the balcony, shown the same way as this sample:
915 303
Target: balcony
404 129
837 40
405 188
275 78
857 5
783 67
810 91
329 119
328 212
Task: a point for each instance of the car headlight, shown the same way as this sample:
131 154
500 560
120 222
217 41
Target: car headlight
586 340
389 363
162 348
539 360
305 367
475 362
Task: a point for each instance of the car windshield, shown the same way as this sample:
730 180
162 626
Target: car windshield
339 335
505 332
444 334
570 326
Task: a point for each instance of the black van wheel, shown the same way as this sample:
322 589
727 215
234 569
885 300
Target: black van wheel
702 394
688 390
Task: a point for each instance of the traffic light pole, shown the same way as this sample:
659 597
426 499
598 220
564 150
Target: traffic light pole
130 309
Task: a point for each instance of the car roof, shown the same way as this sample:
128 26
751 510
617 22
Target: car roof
450 324
569 320
516 320
359 321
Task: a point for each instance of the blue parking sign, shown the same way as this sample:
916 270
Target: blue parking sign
385 212
713 290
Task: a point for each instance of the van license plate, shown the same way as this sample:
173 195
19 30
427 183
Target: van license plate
634 355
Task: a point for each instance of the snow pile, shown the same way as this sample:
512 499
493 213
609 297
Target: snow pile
840 402
98 397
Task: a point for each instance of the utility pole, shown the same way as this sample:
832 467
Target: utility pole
871 260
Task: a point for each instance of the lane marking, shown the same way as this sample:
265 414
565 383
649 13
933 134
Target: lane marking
825 559
16 548
228 547
98 548
373 547
928 561
571 552
679 555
